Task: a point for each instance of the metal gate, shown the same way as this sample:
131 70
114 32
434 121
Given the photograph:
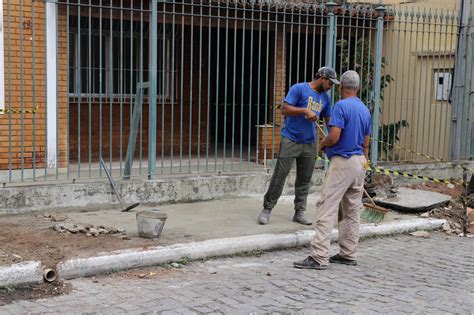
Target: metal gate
194 87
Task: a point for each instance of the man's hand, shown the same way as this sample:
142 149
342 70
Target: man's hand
310 115
321 149
368 165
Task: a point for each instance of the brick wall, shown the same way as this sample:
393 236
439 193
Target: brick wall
273 137
26 141
164 140
280 77
34 138
111 136
62 85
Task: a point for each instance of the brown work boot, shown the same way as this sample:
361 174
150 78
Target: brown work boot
300 218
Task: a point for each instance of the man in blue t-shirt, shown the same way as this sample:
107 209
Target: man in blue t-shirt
304 104
347 147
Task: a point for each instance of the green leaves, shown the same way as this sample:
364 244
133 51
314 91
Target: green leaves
361 58
389 135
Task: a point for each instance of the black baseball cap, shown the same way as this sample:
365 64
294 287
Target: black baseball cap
328 72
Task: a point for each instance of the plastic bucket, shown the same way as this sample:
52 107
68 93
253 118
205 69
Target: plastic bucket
150 223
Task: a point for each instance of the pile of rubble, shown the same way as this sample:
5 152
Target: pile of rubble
88 229
455 214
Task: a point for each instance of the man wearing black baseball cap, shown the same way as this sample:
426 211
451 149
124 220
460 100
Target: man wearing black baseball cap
304 104
328 73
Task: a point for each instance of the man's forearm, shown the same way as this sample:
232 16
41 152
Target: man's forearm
327 142
366 146
289 110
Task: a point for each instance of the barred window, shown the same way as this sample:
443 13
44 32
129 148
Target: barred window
110 60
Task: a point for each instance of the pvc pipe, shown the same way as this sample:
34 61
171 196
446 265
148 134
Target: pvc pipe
49 275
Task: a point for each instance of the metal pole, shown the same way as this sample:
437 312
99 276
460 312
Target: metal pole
471 91
132 140
331 34
153 89
330 40
377 78
470 58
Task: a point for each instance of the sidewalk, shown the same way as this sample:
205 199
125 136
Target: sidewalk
192 230
214 219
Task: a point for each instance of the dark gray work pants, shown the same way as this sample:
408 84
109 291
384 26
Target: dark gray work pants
305 155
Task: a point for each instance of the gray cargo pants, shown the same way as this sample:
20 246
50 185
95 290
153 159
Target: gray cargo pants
305 155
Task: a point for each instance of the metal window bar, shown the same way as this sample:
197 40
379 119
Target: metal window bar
230 78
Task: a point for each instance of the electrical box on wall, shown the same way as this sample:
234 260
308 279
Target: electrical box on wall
442 81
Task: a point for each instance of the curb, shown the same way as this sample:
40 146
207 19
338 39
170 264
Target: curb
126 259
32 271
21 273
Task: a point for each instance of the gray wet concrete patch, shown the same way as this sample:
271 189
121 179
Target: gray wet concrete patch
412 200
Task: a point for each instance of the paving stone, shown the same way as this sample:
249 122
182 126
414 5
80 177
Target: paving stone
202 309
401 274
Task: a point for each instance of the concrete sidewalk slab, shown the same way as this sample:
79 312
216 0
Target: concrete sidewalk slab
414 201
200 230
222 218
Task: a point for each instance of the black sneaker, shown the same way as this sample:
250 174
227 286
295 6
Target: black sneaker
309 263
341 260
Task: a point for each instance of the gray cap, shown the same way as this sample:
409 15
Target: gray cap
350 79
328 72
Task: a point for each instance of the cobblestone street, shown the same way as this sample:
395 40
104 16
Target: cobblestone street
402 274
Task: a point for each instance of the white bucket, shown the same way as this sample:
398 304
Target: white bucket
150 223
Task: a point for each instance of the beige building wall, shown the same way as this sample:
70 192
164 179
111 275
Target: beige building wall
415 53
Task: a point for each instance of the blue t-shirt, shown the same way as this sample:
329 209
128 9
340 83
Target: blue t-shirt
298 128
353 117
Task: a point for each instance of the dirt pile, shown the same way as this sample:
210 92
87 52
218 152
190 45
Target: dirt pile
456 215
